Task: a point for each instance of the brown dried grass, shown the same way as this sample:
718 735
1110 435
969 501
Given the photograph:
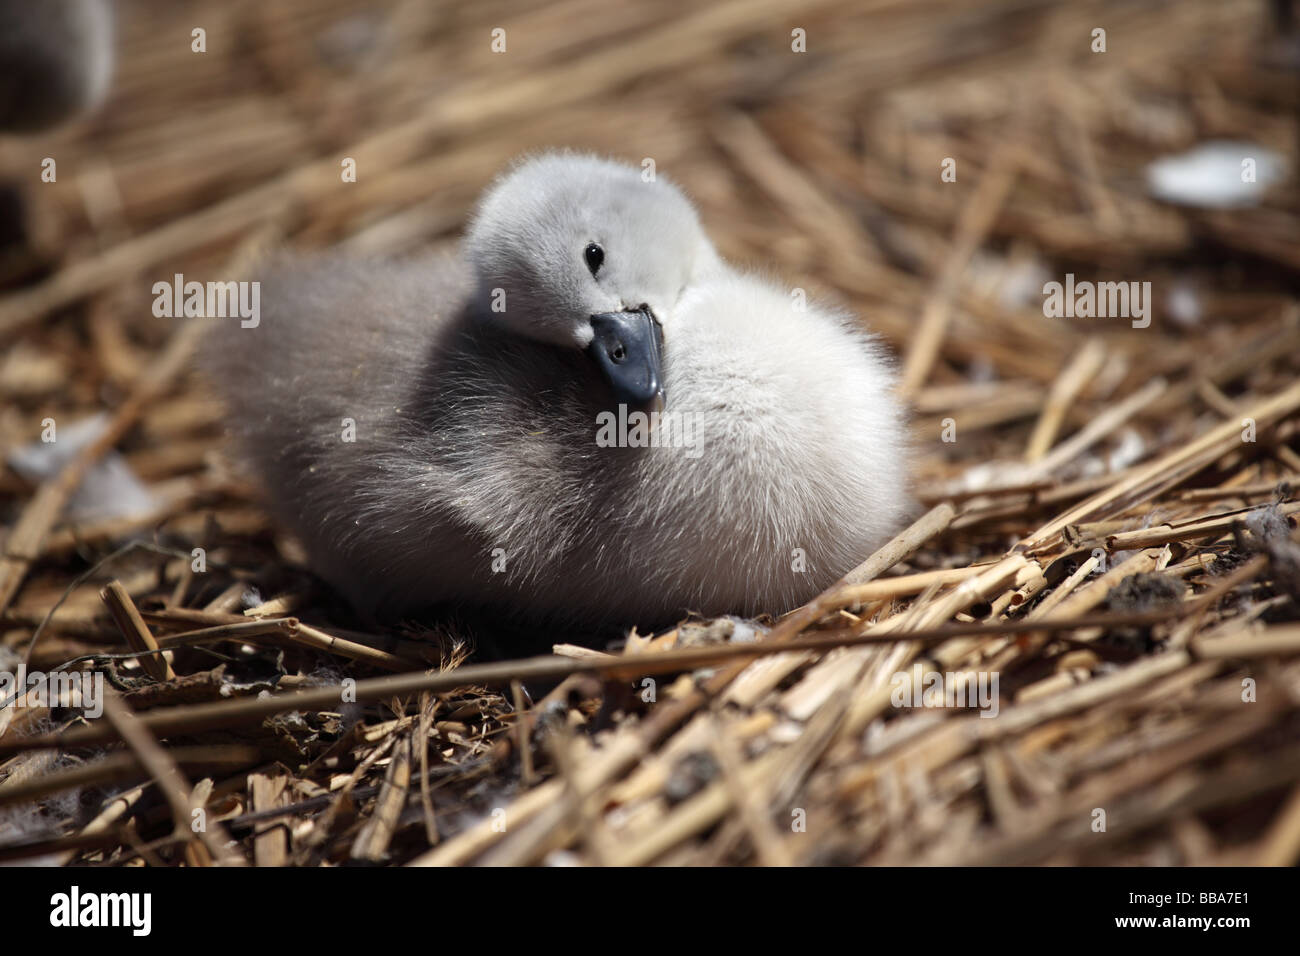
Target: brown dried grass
1078 442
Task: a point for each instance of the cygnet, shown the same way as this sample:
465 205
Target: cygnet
583 418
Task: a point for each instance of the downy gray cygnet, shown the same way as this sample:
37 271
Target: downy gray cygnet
584 418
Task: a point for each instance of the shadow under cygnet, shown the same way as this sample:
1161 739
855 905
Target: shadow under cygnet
56 60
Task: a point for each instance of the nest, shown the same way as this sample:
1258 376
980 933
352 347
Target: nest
1084 650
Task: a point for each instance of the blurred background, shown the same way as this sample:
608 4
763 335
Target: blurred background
931 165
826 167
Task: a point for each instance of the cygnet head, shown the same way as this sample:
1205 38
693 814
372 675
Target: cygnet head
585 253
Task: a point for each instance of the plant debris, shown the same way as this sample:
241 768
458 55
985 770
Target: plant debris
943 704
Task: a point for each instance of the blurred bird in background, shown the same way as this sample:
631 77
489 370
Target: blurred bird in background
56 60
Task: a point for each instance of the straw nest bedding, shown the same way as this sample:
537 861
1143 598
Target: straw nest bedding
1111 529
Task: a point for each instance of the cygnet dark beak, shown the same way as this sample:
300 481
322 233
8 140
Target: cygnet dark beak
628 347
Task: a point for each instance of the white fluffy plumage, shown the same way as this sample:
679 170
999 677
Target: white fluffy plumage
477 478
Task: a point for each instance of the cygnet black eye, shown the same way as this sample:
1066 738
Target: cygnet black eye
594 256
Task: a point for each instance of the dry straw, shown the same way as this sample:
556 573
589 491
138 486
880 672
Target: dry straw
1111 532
